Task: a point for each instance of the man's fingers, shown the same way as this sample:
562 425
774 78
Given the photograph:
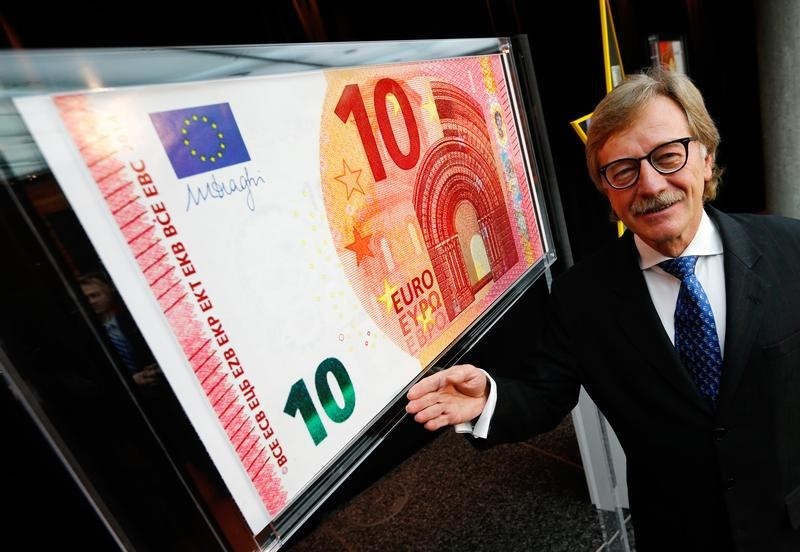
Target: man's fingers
417 405
440 399
437 416
433 415
436 423
424 386
454 375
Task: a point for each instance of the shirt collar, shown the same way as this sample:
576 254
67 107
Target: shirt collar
707 241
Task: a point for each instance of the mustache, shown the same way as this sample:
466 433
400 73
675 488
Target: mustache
645 205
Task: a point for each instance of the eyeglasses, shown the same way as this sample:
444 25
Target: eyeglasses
666 159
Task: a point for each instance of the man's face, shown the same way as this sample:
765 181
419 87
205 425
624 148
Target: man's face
98 296
663 210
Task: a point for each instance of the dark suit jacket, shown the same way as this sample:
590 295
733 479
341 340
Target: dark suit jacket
697 479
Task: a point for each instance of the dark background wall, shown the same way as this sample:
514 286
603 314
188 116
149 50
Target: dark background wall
565 41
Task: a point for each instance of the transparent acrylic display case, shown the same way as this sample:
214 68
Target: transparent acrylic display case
155 437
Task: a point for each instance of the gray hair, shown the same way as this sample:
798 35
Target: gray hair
620 108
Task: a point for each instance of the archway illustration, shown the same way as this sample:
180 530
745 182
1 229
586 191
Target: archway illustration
460 167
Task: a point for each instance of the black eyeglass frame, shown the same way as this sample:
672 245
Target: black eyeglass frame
649 157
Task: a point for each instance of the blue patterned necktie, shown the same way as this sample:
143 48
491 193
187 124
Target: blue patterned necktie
696 337
121 343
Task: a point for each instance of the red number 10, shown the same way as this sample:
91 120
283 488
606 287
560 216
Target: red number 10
351 101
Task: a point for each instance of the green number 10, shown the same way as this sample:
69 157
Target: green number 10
299 399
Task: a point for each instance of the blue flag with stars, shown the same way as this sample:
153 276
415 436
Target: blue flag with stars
200 139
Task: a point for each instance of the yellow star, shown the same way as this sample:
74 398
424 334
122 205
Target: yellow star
350 179
386 298
425 318
430 107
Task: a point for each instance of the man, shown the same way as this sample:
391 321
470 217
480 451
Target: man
712 443
121 330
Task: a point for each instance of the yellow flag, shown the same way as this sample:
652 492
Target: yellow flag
612 60
614 72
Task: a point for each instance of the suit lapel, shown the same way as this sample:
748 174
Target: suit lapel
745 292
640 325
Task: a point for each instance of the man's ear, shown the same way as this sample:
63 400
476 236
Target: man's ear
708 167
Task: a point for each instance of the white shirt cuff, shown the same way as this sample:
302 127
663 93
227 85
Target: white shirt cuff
480 429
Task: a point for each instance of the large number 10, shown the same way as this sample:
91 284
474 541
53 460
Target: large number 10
351 101
299 399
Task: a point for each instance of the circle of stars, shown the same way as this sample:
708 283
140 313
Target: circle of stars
214 128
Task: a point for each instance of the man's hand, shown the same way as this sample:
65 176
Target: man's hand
452 396
150 375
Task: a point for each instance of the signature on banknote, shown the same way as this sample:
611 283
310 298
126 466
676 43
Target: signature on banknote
220 189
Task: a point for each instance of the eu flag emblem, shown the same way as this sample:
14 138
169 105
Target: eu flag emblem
200 139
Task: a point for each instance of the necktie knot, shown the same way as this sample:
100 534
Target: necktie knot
680 267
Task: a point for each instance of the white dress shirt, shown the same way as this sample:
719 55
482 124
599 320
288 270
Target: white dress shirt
663 288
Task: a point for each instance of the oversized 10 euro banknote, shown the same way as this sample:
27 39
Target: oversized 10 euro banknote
297 248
